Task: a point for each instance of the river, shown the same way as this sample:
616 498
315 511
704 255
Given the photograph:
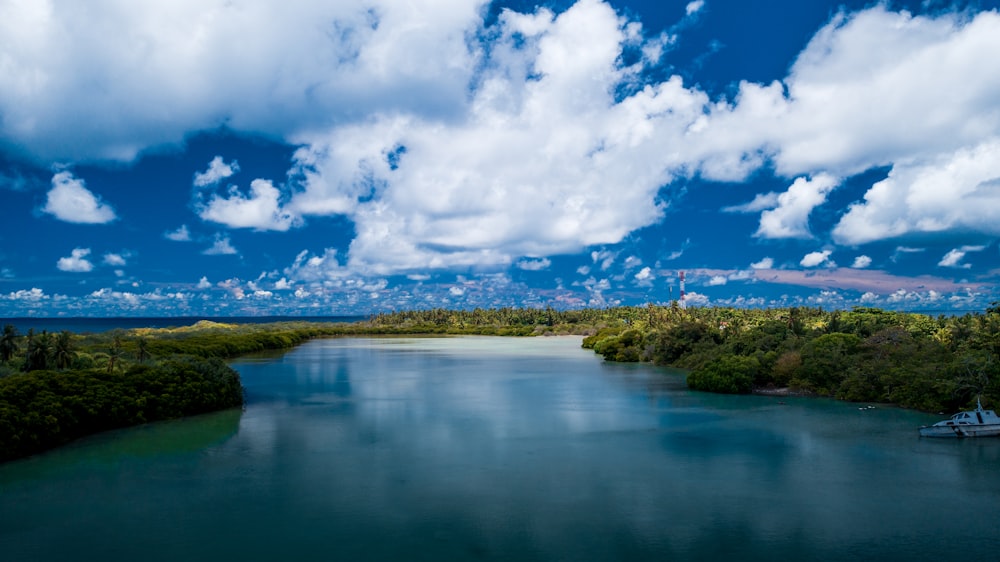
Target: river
480 448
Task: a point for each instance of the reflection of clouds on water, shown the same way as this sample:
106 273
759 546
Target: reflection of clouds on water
514 449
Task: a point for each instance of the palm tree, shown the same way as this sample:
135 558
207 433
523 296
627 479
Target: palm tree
114 352
39 350
63 354
8 343
141 349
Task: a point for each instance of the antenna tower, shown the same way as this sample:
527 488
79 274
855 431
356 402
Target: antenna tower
682 303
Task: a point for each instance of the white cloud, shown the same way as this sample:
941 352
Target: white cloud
182 234
537 157
534 264
716 280
114 260
605 258
902 251
203 283
69 200
76 262
31 295
861 262
456 291
260 210
217 171
954 257
539 166
181 67
583 270
645 277
959 190
766 263
220 247
790 219
816 259
694 7
761 201
692 298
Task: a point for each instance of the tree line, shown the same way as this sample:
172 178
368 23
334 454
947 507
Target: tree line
933 364
55 388
58 387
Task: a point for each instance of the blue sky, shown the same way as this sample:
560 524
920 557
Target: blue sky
242 157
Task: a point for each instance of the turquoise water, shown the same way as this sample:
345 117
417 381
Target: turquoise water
503 449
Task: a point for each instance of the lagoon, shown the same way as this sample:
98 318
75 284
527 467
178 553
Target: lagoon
479 448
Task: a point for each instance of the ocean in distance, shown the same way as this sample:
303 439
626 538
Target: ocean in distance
99 325
82 325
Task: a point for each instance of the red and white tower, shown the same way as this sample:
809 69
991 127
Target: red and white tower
682 303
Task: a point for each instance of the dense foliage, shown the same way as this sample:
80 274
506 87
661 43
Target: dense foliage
865 355
43 409
57 388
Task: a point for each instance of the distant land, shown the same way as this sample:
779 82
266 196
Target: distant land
85 325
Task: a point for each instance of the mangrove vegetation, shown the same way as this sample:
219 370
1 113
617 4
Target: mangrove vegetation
55 388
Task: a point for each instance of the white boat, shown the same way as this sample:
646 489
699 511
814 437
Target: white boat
977 423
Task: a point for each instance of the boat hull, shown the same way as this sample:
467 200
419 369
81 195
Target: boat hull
960 431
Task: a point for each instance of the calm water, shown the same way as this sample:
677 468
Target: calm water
503 449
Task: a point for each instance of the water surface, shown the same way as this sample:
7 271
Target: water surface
503 449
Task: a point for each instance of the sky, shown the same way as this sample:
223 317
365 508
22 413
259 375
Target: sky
247 157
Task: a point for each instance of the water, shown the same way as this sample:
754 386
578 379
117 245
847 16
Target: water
503 449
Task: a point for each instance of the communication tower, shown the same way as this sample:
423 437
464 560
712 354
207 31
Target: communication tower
682 302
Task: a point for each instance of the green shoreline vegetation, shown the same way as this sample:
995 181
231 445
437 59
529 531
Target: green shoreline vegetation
55 388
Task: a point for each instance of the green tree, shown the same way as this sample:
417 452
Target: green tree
39 350
8 343
62 352
141 349
114 352
730 374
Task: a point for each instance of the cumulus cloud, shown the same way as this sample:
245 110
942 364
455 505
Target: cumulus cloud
114 260
645 277
692 298
955 256
543 142
182 234
816 259
32 295
958 190
260 209
534 264
69 200
204 283
220 247
717 280
694 7
790 218
76 262
537 167
766 263
182 67
861 262
217 171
